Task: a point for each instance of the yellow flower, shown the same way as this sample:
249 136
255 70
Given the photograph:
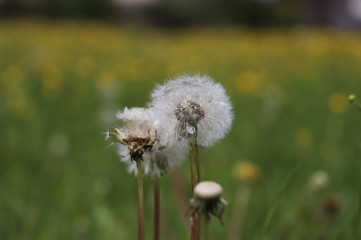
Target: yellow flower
246 171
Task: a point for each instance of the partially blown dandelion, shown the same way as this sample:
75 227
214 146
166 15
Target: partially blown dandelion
139 139
140 149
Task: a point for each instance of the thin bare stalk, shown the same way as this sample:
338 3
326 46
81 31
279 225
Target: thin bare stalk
179 192
141 235
156 216
195 176
239 212
195 168
205 228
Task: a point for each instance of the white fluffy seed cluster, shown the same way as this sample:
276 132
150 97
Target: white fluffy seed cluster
192 104
186 106
140 124
137 122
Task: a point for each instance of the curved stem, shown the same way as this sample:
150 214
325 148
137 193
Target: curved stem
156 216
141 235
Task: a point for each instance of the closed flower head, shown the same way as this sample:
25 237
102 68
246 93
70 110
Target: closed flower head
192 105
207 200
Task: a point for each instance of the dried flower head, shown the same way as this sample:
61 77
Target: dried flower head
137 132
138 140
207 200
191 105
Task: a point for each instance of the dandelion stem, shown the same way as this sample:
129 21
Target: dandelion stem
195 176
179 191
239 212
141 235
156 217
195 168
205 227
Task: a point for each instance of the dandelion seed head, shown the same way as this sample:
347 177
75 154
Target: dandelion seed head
139 139
192 105
318 181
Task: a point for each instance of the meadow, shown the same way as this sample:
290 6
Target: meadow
61 84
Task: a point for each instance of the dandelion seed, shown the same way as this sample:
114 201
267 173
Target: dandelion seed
192 105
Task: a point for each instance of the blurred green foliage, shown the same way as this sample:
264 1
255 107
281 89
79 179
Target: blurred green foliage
61 84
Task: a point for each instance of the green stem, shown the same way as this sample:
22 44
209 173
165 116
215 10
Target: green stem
205 227
195 168
239 212
141 235
195 176
156 217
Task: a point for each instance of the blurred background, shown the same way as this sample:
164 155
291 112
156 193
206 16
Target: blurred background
290 166
344 14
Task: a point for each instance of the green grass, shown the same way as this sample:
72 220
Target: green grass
61 83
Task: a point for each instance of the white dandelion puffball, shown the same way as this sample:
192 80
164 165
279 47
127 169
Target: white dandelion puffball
191 105
140 138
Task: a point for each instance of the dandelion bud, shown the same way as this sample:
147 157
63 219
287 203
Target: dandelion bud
351 97
207 200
